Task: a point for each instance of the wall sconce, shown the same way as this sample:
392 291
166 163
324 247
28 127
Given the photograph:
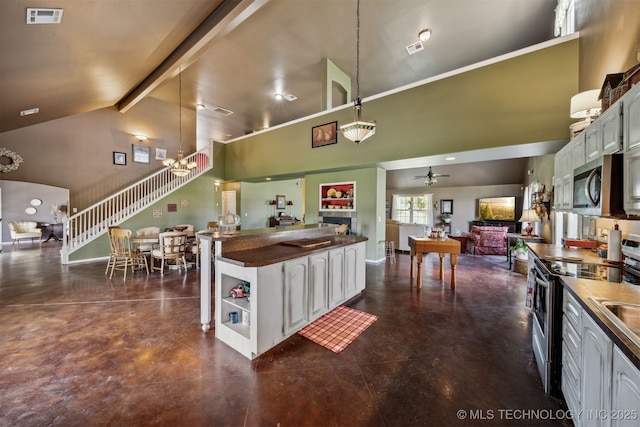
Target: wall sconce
141 137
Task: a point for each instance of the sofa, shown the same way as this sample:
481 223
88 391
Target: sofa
488 240
399 232
25 230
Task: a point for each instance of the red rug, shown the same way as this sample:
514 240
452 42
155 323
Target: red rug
338 328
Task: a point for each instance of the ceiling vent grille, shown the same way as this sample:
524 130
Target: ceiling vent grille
43 16
222 111
290 97
414 48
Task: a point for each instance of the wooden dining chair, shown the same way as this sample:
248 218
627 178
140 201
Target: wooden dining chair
212 224
172 246
123 255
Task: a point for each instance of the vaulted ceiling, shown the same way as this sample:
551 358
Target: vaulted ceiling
237 54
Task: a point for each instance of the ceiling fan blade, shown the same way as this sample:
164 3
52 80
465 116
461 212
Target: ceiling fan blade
441 174
421 176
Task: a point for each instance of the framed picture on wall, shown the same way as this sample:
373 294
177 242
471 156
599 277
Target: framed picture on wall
326 134
141 154
280 202
119 158
446 206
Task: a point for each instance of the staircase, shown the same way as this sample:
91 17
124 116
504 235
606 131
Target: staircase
94 221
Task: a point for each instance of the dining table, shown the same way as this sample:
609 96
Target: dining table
444 245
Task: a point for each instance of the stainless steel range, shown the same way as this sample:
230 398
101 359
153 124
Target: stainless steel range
546 301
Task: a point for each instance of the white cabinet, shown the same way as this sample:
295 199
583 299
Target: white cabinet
593 142
578 150
354 269
563 171
571 352
625 398
318 285
631 135
336 276
595 391
295 290
610 126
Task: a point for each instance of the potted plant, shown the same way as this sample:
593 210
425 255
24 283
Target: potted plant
446 217
520 248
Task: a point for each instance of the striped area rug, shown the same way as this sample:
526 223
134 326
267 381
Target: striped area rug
338 328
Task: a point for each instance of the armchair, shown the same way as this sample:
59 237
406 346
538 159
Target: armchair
488 240
25 230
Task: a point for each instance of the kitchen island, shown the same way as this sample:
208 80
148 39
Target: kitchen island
293 277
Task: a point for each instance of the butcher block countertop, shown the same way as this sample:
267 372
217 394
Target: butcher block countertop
583 289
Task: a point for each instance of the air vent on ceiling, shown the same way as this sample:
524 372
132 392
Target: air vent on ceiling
414 48
43 16
222 111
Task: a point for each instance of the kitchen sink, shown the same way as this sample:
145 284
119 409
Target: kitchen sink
625 316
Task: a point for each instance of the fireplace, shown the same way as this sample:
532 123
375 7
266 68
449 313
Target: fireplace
340 218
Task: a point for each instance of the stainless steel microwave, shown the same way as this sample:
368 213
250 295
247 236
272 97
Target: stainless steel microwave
598 187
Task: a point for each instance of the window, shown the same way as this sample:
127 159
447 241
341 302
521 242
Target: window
412 208
565 18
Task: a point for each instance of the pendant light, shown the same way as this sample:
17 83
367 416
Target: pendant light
180 166
358 130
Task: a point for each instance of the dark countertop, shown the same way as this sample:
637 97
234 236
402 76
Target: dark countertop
582 289
278 252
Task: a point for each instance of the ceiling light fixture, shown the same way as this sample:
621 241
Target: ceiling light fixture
141 137
358 130
200 107
29 112
278 96
180 166
424 35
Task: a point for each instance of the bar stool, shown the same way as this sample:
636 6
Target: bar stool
390 251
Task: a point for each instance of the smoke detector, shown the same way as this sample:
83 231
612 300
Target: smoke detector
43 16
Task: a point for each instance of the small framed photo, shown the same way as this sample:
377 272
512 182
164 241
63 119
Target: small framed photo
280 202
326 134
446 206
172 207
119 158
161 154
141 154
157 213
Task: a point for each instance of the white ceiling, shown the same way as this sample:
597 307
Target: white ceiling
243 53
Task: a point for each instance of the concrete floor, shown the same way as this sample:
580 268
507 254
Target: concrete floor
79 350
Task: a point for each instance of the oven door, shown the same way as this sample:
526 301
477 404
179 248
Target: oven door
540 327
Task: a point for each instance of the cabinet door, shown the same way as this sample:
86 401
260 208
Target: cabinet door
578 150
350 270
336 276
631 118
295 291
593 143
625 397
318 284
611 126
595 390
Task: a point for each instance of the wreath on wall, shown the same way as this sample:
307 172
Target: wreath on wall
14 162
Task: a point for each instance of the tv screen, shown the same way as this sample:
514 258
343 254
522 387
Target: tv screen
497 208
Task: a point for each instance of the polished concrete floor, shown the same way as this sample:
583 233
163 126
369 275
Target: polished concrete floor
77 349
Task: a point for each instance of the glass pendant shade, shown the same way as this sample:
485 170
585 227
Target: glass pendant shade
358 130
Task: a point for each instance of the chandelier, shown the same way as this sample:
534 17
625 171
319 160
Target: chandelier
358 130
180 166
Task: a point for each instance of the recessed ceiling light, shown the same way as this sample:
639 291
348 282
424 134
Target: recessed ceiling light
450 158
290 97
200 106
424 35
278 96
268 179
29 112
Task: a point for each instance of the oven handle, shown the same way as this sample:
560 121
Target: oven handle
594 201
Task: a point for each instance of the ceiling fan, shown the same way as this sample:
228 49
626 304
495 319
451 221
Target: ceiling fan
430 177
